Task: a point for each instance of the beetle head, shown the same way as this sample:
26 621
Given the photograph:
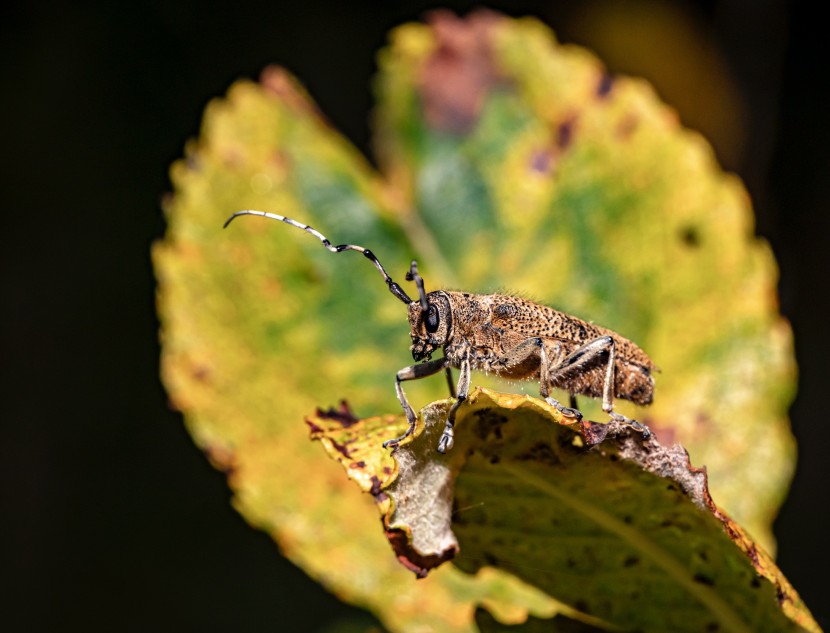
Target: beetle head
430 318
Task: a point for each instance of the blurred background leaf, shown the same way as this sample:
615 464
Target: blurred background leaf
508 161
622 217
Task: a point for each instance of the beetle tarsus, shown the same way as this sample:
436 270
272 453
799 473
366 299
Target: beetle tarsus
634 424
568 412
446 442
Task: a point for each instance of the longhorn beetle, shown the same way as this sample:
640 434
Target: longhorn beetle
510 337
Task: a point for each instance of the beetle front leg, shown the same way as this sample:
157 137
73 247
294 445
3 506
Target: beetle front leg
450 383
446 441
413 372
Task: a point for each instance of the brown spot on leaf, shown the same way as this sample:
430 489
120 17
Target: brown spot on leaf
221 458
489 423
541 161
703 579
455 80
565 133
193 162
540 453
411 558
376 485
690 236
627 127
752 552
593 432
342 414
604 86
340 448
201 373
279 82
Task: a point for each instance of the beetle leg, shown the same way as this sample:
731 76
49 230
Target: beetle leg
413 372
446 441
544 385
530 347
588 354
568 412
450 382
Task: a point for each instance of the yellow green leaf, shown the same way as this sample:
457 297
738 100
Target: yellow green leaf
614 525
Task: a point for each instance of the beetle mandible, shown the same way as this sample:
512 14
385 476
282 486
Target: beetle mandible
510 337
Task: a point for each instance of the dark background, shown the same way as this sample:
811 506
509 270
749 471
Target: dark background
112 519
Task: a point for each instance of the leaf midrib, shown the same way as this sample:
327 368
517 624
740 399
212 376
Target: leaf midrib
716 605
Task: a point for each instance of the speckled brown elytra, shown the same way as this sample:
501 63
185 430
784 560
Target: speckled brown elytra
510 337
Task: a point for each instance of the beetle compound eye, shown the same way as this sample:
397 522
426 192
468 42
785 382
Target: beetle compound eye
432 319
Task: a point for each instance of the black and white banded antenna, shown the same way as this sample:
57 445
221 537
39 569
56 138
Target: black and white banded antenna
413 275
394 288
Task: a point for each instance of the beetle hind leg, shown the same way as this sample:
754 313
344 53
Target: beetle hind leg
536 346
584 357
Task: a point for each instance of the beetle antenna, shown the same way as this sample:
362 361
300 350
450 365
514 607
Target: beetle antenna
394 288
413 275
